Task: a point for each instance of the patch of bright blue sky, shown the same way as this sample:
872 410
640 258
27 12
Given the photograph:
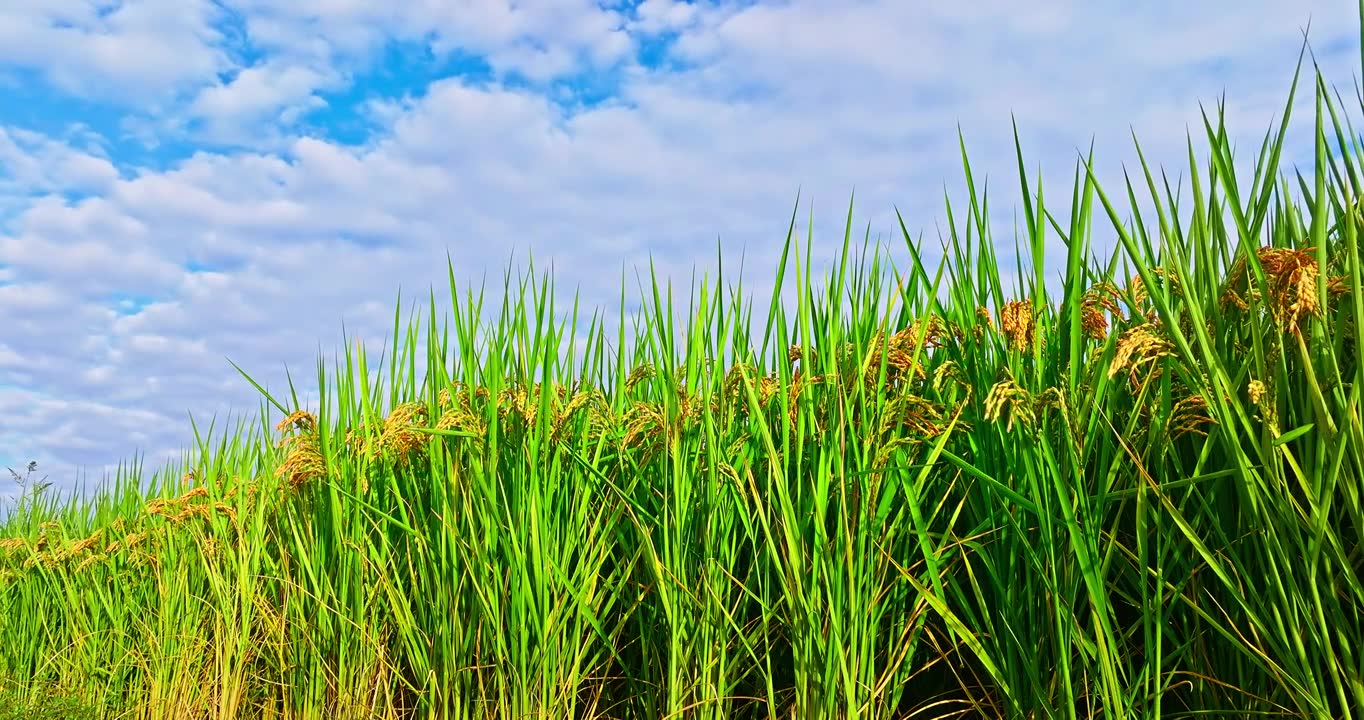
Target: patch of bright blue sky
403 70
195 266
34 104
406 69
215 262
127 304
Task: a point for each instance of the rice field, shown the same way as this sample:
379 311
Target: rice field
943 490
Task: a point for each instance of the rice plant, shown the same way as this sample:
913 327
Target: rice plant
921 492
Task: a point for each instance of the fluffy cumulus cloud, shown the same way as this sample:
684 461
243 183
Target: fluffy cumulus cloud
145 50
191 182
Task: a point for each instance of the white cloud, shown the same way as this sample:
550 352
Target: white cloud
655 16
129 50
278 91
31 162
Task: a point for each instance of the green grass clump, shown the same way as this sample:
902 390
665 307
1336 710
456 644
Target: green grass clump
915 494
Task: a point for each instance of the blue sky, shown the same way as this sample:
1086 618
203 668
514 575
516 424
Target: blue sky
188 181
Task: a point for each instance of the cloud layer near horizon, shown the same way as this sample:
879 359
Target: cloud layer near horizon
186 181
